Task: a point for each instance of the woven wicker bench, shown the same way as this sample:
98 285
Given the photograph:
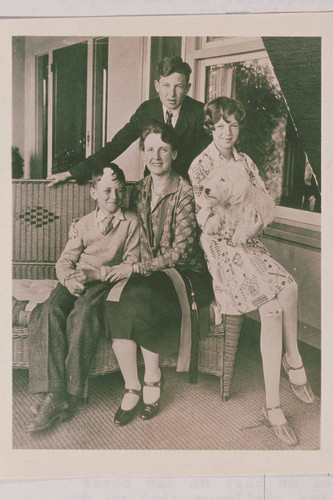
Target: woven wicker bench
42 217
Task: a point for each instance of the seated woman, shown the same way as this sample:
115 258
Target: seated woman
151 310
245 277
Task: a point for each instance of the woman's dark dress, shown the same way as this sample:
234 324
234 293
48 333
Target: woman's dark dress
149 311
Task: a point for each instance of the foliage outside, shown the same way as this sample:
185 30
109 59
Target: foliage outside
263 135
17 164
65 160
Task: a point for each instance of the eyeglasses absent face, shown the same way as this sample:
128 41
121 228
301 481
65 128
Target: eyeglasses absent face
109 194
225 133
158 155
172 90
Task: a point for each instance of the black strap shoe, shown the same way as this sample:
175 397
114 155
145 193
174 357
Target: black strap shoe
124 417
150 410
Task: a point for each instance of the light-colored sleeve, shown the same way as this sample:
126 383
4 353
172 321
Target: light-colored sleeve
198 172
132 246
183 244
264 202
254 174
70 255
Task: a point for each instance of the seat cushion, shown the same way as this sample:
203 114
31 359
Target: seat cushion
26 295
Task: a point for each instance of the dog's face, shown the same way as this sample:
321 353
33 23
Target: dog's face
227 186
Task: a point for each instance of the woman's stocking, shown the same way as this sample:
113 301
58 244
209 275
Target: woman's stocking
125 351
152 374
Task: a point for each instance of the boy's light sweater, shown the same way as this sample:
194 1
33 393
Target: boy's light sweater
90 249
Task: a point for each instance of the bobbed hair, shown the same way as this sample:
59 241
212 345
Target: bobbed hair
222 107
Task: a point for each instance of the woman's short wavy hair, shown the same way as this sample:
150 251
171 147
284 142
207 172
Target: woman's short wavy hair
166 131
222 107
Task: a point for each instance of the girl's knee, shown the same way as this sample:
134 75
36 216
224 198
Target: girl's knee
271 310
292 291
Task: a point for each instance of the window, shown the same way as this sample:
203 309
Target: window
71 105
269 136
42 64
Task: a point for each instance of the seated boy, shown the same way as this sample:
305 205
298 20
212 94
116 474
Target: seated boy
64 330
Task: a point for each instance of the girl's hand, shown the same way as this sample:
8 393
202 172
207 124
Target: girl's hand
119 272
256 225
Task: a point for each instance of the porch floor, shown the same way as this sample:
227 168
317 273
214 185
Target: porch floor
192 417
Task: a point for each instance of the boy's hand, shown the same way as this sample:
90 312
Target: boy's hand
59 178
86 276
74 286
256 225
119 272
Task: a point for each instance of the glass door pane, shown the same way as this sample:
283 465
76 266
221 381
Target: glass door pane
39 166
100 97
69 106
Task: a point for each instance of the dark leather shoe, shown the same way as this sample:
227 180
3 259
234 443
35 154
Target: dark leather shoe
150 410
74 402
124 417
53 409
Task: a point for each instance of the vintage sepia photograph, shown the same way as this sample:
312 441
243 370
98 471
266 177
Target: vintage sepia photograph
168 278
166 197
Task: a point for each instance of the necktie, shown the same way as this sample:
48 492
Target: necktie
105 225
169 116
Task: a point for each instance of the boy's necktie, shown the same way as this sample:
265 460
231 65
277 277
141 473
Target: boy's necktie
106 225
169 116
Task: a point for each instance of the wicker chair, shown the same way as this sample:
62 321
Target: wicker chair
41 222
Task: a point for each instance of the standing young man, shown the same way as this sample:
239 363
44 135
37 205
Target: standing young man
172 106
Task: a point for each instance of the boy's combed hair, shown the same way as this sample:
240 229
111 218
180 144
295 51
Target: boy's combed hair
98 171
169 65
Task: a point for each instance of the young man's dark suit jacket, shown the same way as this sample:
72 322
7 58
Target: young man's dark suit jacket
189 130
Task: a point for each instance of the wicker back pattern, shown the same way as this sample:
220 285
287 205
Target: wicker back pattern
41 220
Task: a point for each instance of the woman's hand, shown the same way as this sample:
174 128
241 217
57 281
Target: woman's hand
119 272
256 225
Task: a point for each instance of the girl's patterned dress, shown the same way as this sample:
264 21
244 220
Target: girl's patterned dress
244 276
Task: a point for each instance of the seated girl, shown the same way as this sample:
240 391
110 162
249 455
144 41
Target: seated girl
245 277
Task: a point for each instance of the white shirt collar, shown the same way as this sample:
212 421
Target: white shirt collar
216 154
100 216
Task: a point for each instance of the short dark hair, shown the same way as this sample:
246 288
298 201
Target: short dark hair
222 107
98 171
175 64
166 131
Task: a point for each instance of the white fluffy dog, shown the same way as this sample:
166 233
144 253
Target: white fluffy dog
233 200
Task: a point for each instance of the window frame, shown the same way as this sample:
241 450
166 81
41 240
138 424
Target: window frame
200 54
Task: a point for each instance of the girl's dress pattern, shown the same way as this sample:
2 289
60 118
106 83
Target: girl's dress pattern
244 276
